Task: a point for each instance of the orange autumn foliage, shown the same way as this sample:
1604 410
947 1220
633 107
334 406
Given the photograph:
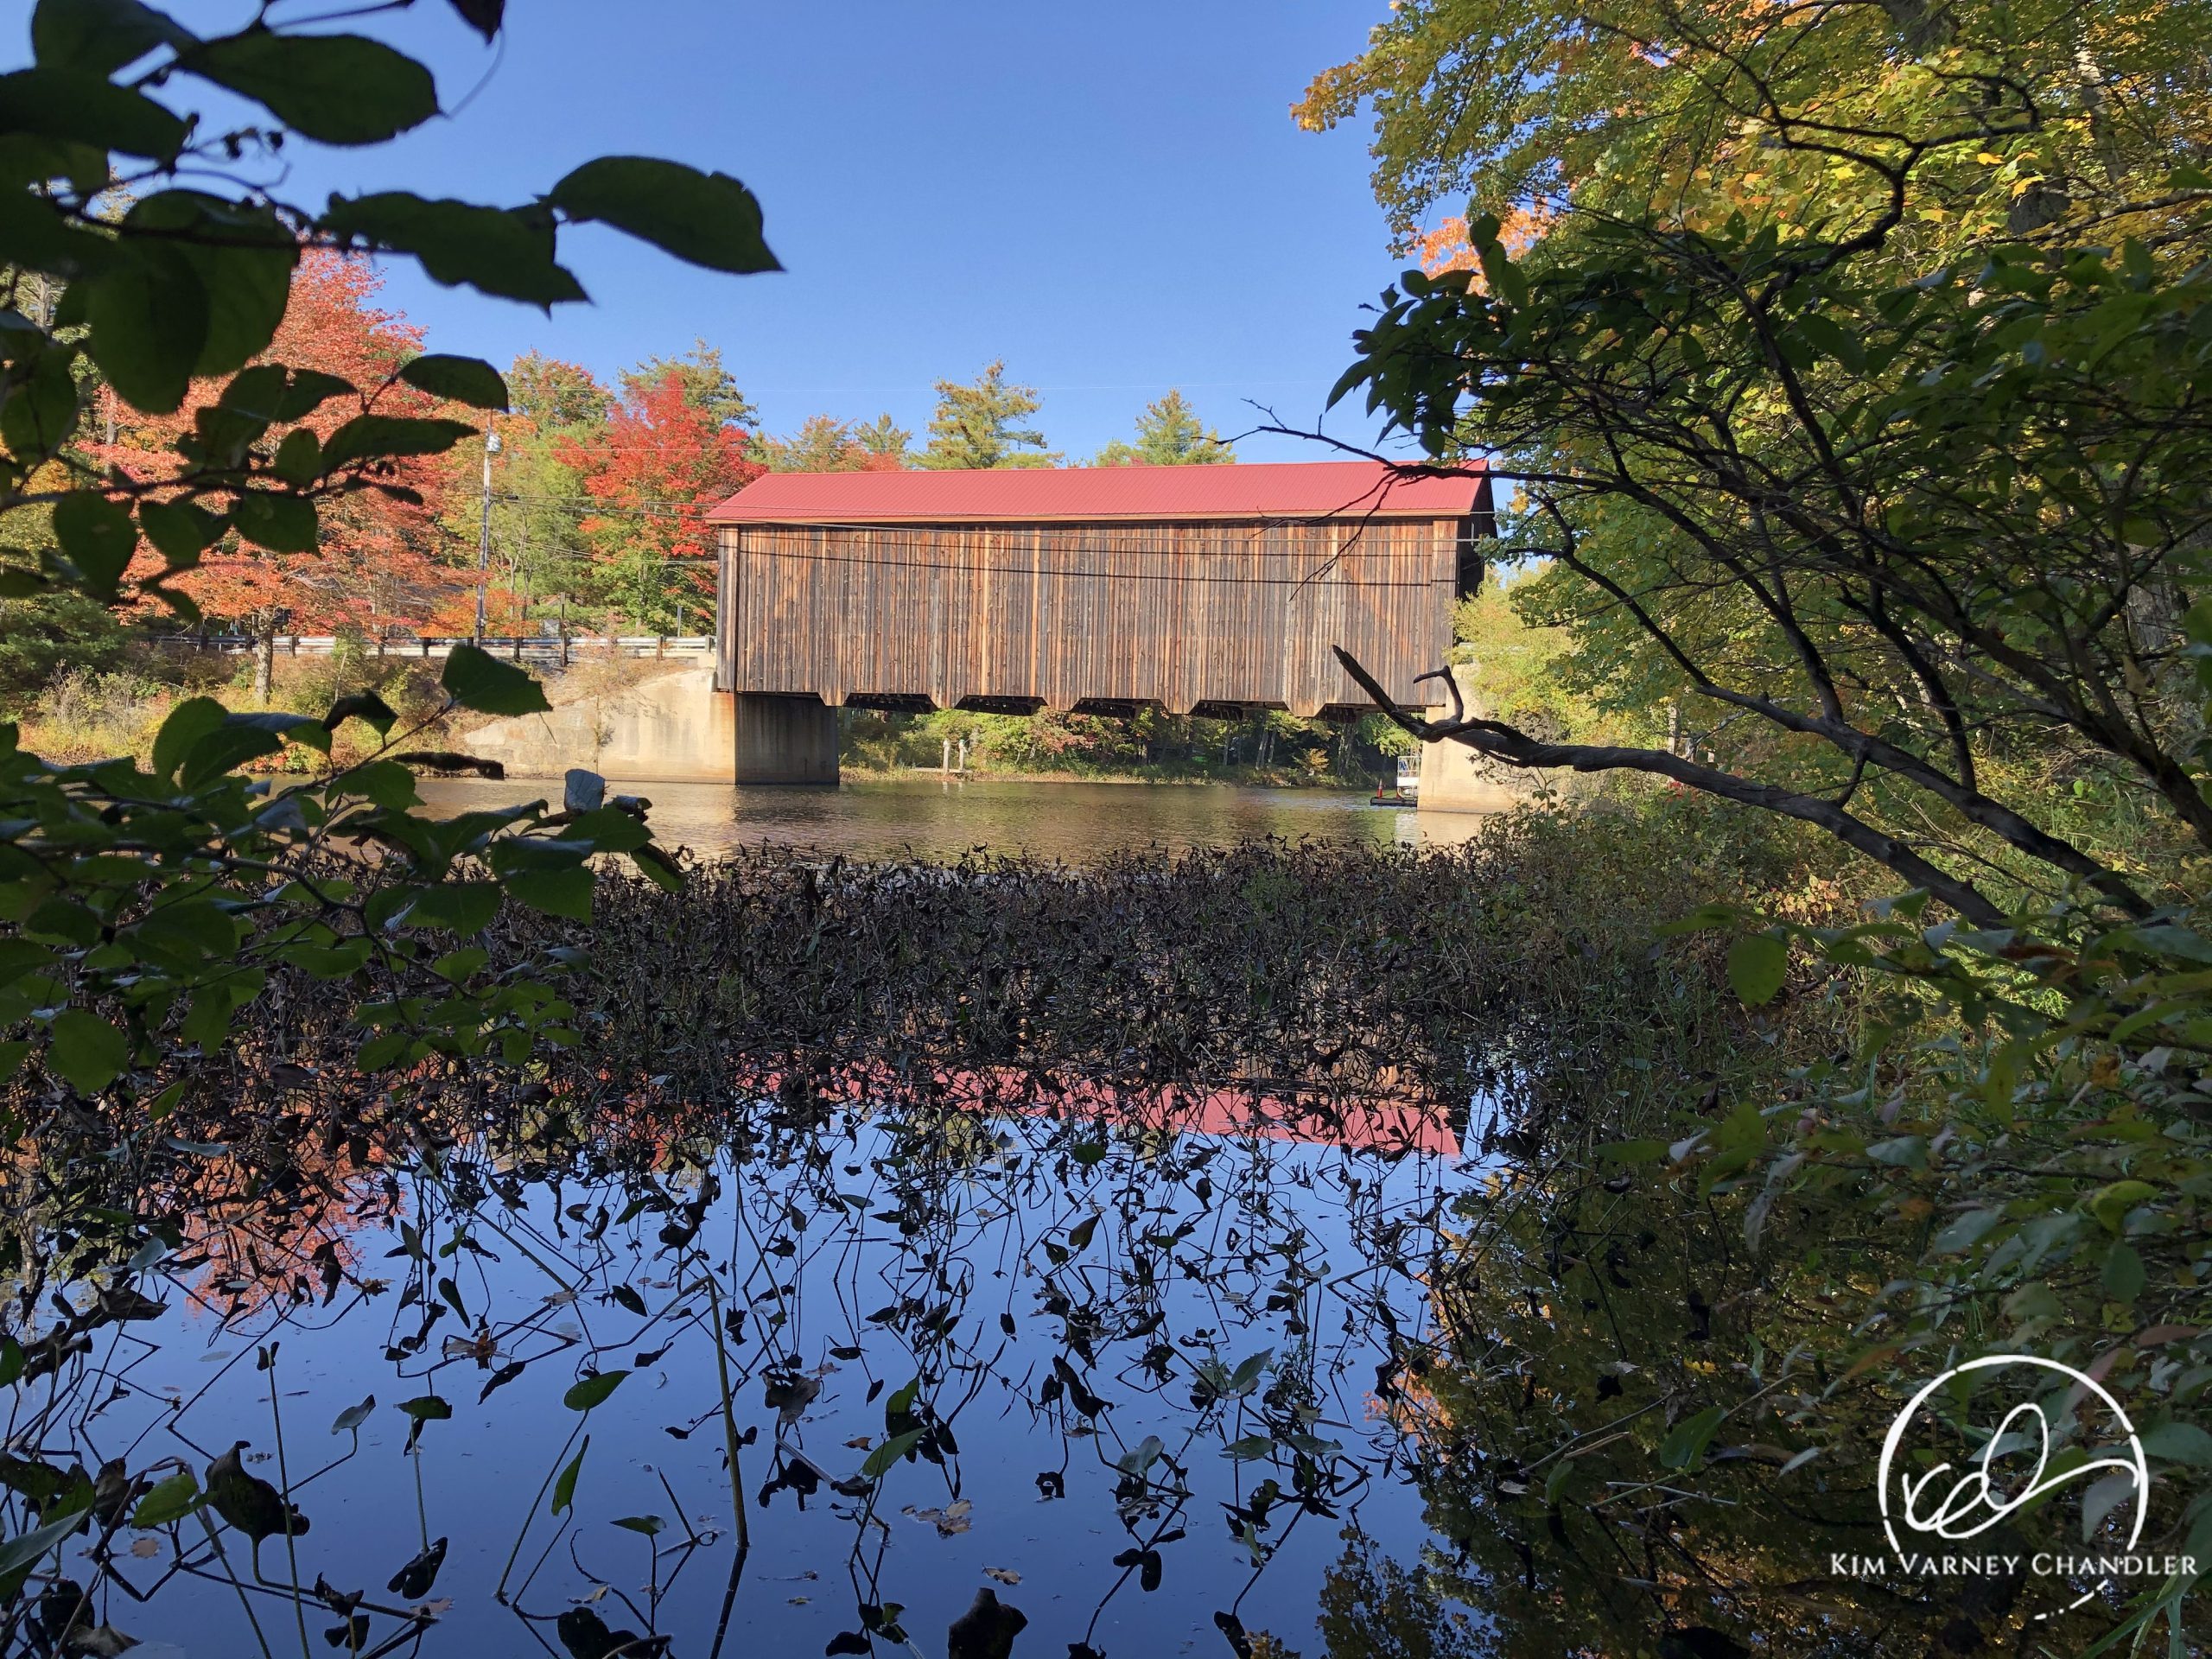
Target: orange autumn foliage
660 463
380 557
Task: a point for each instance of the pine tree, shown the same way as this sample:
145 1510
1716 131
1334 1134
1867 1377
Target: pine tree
885 442
974 426
552 393
707 384
1169 434
822 444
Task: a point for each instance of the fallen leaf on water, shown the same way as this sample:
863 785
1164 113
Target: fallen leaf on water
1003 1574
860 1443
953 1518
145 1549
436 1609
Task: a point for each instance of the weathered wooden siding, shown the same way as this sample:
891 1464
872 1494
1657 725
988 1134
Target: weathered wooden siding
1179 613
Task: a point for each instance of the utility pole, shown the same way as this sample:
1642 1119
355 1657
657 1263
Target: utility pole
484 542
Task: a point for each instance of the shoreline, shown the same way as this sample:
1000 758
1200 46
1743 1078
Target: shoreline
860 777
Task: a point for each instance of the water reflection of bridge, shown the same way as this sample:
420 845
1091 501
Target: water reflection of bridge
1207 590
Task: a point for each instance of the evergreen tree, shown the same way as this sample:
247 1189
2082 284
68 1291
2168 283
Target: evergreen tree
1169 434
974 426
886 441
822 444
552 393
707 383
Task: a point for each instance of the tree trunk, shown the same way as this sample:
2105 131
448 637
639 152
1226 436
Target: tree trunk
264 664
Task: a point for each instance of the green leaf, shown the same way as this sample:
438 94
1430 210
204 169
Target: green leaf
707 218
180 531
282 523
98 536
2110 1204
507 252
463 379
339 89
85 107
353 1416
295 729
299 457
879 1461
40 411
148 315
2124 1276
651 1525
662 871
564 1489
428 1409
366 706
19 1553
172 1500
214 1007
1757 963
307 390
482 15
367 437
1633 1152
1684 1446
229 746
1966 1231
557 893
609 829
2179 1443
592 1390
383 783
461 906
479 681
86 1050
189 722
243 256
1247 1375
99 35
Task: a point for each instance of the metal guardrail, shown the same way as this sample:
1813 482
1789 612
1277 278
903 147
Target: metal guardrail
521 648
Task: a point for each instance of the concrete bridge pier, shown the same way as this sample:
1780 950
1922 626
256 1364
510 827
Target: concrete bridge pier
785 740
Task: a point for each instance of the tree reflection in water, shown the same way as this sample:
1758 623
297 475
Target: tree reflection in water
1116 1254
983 1322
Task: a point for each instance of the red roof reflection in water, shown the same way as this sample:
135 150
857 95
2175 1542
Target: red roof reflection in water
1228 1111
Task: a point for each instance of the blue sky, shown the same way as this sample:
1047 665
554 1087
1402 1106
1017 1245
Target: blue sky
1113 198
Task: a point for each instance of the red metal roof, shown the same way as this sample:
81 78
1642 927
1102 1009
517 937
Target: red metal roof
1325 489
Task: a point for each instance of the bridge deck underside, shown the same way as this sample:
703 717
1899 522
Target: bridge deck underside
1057 615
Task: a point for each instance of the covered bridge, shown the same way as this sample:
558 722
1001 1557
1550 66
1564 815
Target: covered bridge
1201 589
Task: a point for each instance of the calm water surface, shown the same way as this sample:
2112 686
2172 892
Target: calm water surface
1123 1360
1112 1358
936 819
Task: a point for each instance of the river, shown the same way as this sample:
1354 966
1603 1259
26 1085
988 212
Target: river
938 818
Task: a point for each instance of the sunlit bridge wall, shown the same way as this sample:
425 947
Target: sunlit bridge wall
1103 589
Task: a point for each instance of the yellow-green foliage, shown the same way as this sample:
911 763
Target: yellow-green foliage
1521 666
